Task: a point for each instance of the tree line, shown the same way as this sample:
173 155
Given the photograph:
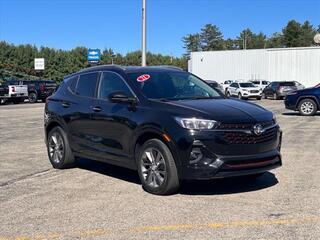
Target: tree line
17 61
210 38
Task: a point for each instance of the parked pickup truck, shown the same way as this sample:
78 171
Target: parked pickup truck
39 89
13 91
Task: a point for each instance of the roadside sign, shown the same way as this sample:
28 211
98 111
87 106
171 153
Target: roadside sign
39 64
94 55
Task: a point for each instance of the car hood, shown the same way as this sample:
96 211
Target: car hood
222 110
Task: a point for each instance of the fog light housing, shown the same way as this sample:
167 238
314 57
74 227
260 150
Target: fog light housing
195 155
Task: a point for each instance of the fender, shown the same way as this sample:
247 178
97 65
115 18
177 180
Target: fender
308 96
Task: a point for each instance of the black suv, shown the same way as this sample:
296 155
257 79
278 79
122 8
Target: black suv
166 123
39 89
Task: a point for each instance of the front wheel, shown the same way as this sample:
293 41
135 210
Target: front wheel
59 151
258 98
239 96
307 107
157 169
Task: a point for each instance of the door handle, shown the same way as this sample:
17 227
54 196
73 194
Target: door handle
65 104
97 109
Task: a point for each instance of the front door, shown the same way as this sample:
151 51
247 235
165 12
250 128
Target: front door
113 127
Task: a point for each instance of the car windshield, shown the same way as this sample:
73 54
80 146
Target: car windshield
172 86
246 85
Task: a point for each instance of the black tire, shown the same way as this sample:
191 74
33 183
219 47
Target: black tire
33 98
240 96
259 98
43 100
307 107
67 159
264 96
170 183
275 96
228 95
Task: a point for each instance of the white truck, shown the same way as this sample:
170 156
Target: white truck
13 91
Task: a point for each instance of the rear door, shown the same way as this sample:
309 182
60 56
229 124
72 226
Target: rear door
78 113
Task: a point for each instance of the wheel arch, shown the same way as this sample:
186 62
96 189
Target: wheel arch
155 134
308 97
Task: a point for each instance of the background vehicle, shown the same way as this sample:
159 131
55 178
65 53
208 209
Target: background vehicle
166 123
306 101
260 83
279 89
226 84
215 85
39 89
13 91
244 90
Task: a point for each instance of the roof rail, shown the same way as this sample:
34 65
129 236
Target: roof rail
170 66
101 66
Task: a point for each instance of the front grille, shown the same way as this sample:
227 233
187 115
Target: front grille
254 91
244 126
250 138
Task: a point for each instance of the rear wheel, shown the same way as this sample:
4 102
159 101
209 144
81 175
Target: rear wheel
307 107
58 148
33 97
157 169
264 96
275 96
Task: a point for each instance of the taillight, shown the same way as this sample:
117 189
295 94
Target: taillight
280 88
42 87
13 89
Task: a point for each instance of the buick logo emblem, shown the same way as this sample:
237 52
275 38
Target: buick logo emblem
258 129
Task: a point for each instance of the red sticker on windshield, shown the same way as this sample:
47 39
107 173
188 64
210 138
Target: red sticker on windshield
143 78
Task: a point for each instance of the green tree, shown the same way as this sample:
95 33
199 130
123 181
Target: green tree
275 41
249 40
192 43
307 34
211 38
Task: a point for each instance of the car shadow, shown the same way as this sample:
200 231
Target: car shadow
194 187
228 185
121 173
296 114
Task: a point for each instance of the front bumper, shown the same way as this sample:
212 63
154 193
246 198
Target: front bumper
251 95
219 161
290 103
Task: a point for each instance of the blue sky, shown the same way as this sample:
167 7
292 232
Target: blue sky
116 24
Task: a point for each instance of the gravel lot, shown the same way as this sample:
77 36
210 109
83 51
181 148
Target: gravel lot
100 201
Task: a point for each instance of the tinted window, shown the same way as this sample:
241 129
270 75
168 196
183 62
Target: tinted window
234 85
87 84
289 84
112 82
246 85
72 83
255 82
265 82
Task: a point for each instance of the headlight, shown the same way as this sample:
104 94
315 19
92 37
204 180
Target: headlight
274 117
196 123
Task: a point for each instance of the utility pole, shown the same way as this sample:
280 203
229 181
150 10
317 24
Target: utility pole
144 60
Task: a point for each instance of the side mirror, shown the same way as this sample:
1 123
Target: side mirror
121 97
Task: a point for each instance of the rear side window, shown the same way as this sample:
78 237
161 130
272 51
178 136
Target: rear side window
112 82
72 83
87 85
288 84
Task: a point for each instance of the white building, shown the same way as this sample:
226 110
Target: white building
300 64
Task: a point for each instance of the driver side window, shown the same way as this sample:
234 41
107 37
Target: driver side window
111 82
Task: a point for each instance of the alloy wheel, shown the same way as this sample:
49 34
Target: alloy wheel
56 147
307 107
153 167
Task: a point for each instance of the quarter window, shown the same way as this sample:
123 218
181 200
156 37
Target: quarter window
112 82
87 84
